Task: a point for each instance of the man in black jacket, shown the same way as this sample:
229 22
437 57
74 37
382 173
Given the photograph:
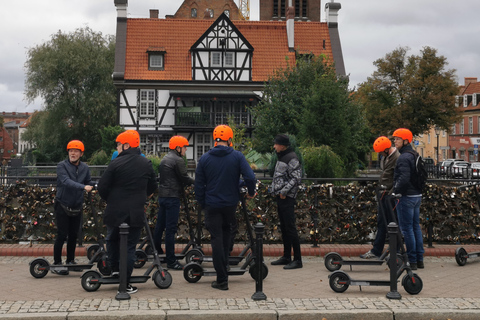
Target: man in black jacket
408 207
125 186
173 179
73 178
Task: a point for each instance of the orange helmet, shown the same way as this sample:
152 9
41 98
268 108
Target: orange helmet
75 144
130 136
381 144
403 133
222 133
177 141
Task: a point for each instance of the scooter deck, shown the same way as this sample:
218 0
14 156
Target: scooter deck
116 280
70 267
232 260
373 262
385 283
231 272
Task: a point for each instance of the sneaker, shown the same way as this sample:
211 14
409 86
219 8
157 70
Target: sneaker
131 289
295 264
368 255
176 266
115 274
220 285
281 261
420 265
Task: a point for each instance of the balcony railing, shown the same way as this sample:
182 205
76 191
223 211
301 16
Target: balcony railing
211 119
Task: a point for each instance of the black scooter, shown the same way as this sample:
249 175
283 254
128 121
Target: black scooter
193 271
92 280
461 254
39 267
339 281
193 248
333 261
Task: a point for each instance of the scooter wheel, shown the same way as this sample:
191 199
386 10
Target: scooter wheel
339 281
333 261
90 280
254 271
140 258
413 284
103 266
192 254
192 272
39 268
400 262
461 256
92 250
162 282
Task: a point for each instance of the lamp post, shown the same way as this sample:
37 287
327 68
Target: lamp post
437 132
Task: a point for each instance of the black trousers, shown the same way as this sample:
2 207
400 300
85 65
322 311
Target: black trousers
67 230
222 225
288 227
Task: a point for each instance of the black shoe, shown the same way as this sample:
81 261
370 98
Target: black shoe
420 265
115 274
413 266
176 266
73 262
131 289
281 262
295 264
220 285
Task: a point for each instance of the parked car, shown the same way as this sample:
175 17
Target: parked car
445 165
460 169
475 170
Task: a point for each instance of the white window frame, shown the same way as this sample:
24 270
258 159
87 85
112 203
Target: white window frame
147 103
474 100
462 126
229 59
470 125
454 128
217 57
465 101
156 61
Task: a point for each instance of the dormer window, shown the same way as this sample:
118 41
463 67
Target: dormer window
474 100
194 13
156 59
227 13
216 59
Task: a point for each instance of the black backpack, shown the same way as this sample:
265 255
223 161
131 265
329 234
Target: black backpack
420 175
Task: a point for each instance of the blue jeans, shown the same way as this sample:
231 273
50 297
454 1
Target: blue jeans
167 220
408 212
113 248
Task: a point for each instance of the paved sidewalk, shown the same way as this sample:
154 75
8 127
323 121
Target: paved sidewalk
449 292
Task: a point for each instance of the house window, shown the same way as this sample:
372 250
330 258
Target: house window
454 129
465 101
227 13
155 61
470 125
462 127
194 13
474 100
147 103
146 144
203 143
216 59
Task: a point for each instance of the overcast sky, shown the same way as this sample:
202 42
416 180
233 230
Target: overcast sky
368 30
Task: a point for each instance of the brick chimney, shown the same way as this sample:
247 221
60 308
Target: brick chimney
153 13
469 80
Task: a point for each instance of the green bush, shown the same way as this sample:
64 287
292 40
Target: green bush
99 158
322 162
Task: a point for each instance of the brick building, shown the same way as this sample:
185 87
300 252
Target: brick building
205 9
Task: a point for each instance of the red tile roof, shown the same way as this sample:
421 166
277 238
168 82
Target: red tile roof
269 39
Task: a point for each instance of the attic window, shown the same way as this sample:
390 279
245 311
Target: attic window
227 13
156 59
194 13
474 100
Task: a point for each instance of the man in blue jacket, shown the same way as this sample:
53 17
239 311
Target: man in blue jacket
73 178
408 207
217 191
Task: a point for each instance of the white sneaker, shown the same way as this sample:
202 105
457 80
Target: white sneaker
131 289
368 255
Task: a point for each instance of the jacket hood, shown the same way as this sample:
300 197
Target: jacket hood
221 151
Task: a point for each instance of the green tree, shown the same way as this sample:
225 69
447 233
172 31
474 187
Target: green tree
312 103
415 92
72 74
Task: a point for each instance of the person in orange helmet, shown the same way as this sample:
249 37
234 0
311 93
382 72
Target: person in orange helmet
408 207
173 179
383 146
125 185
73 178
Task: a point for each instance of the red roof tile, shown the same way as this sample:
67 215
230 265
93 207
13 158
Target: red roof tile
269 39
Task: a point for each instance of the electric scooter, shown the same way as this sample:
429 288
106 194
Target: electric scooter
192 249
461 254
339 280
192 256
193 271
92 280
39 267
333 261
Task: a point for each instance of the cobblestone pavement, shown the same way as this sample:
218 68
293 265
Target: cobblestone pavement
449 292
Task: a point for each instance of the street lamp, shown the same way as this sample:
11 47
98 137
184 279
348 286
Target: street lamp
437 132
